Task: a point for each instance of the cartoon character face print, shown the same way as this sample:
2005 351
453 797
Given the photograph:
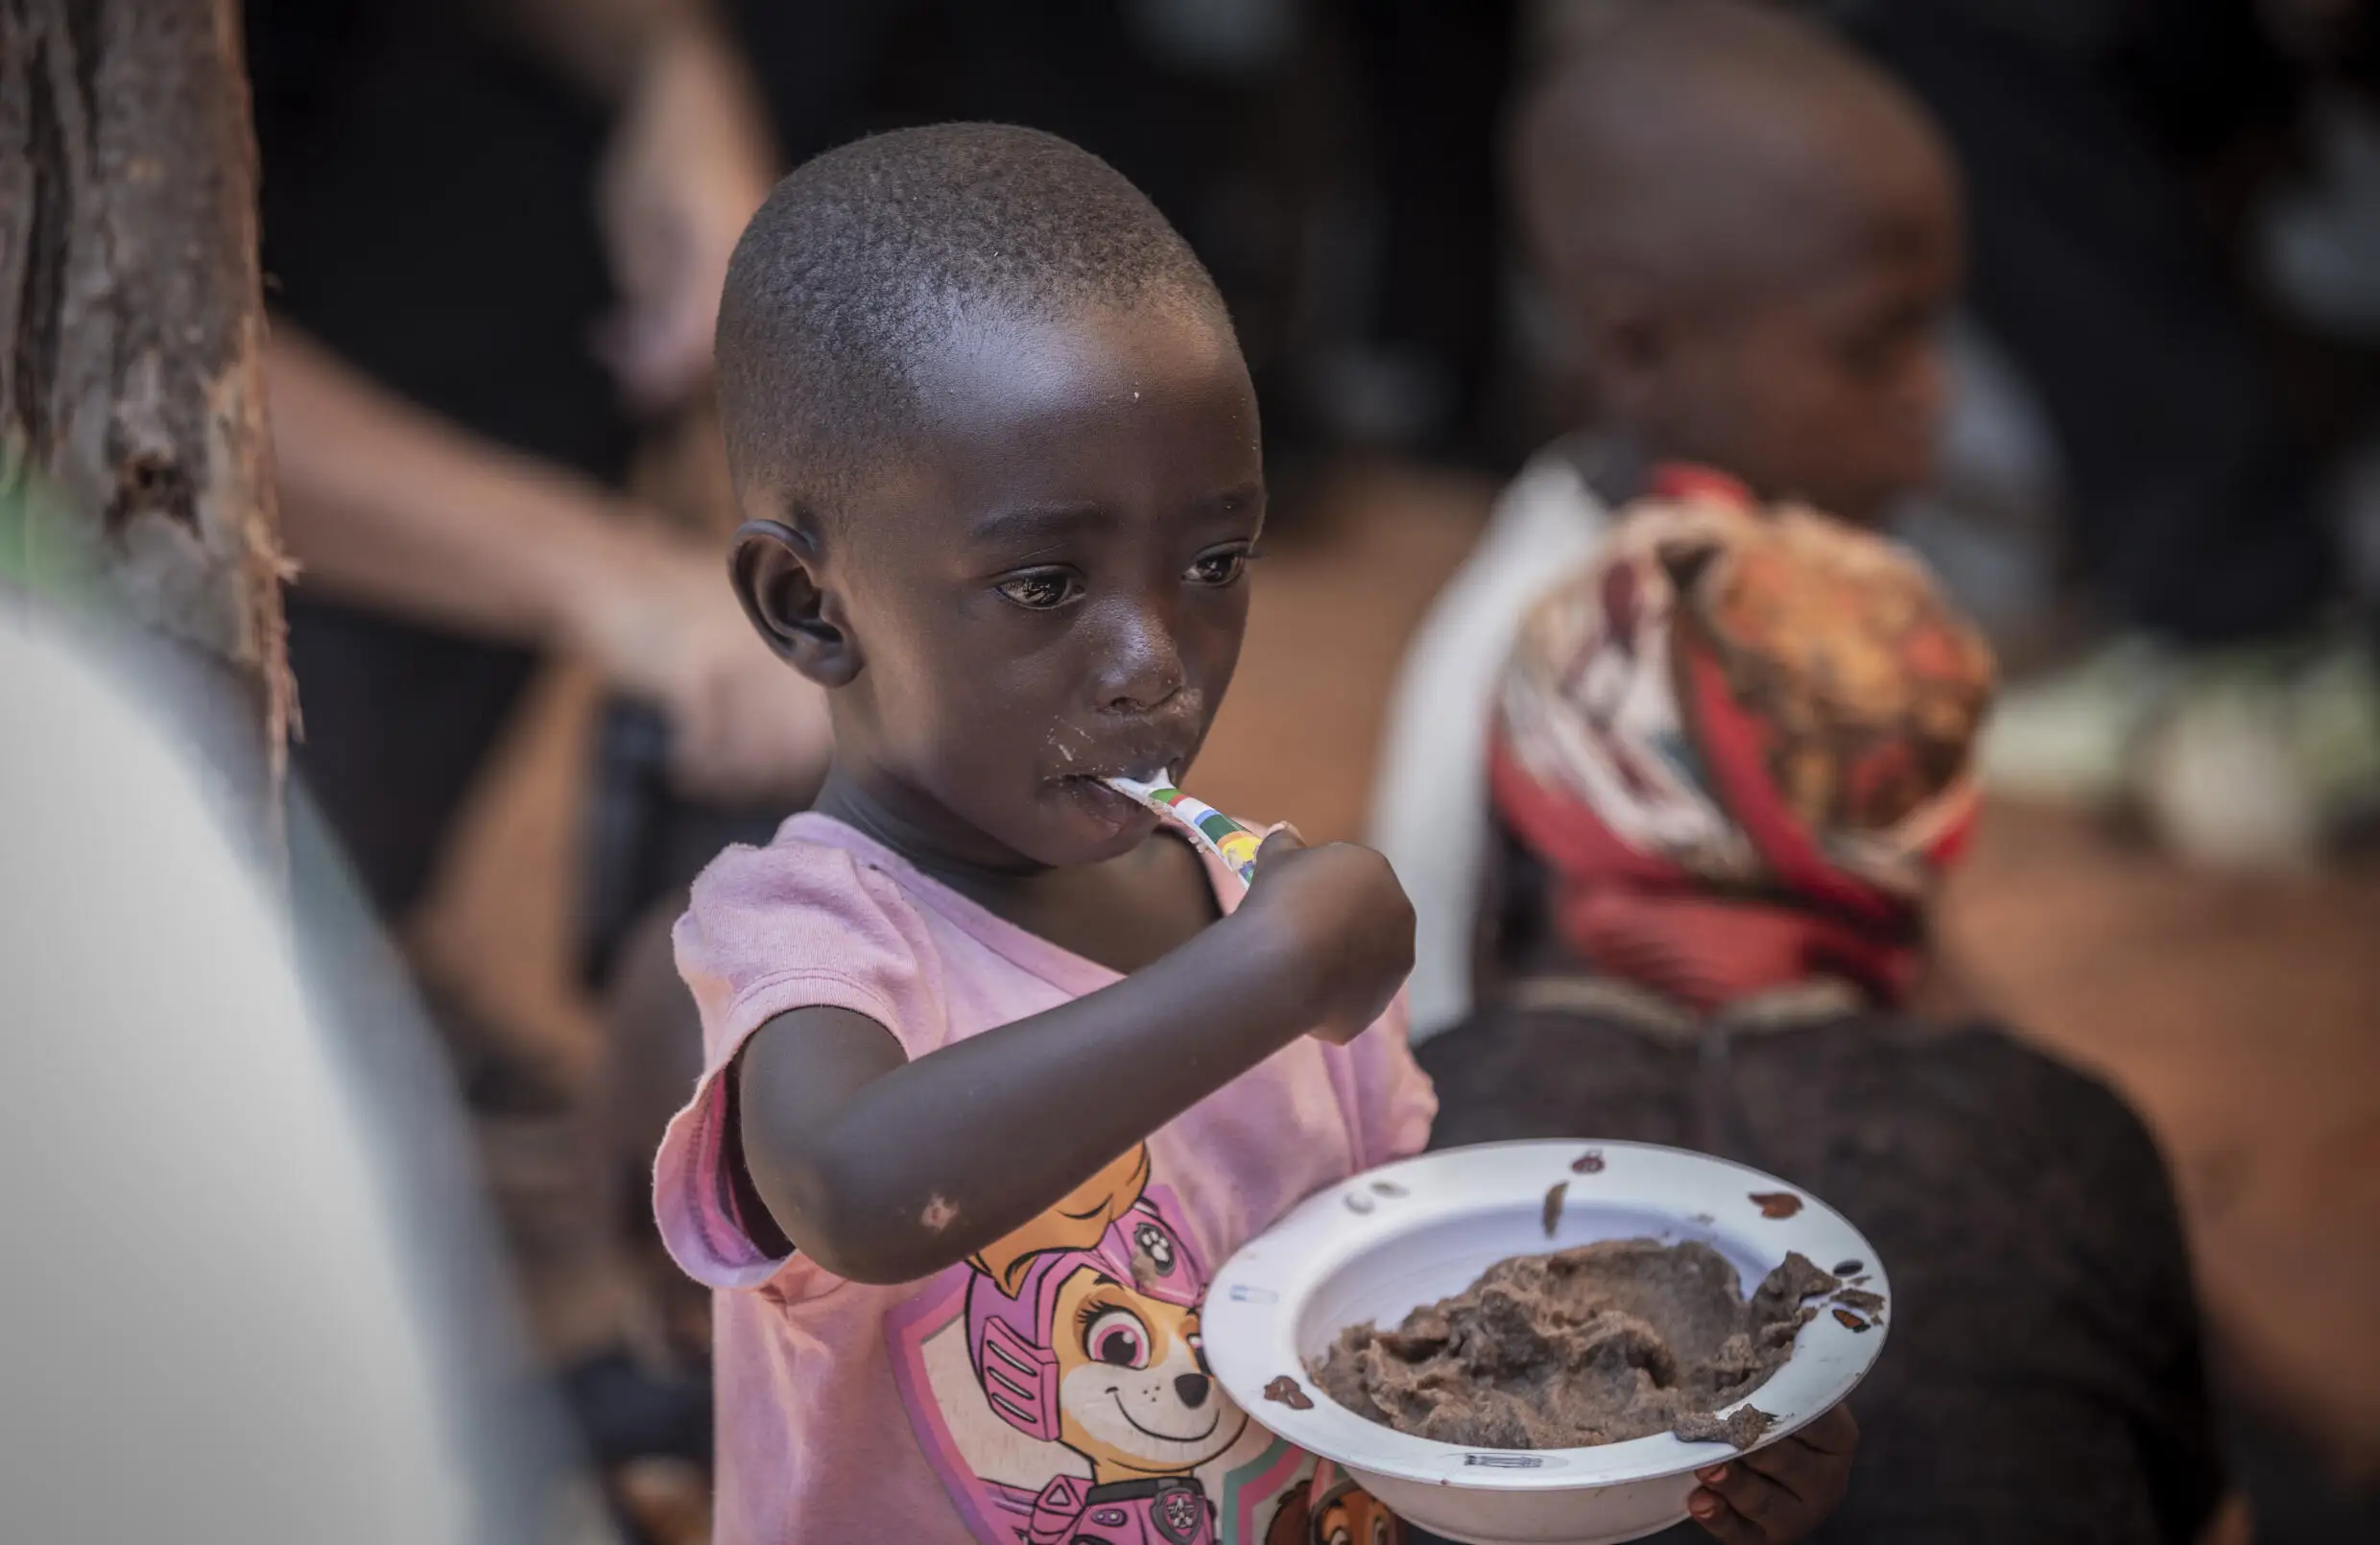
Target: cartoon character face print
1083 1331
1059 1385
1134 1396
1355 1518
1096 1346
1332 1510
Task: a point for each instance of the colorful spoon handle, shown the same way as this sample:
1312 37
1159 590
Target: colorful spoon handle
1210 828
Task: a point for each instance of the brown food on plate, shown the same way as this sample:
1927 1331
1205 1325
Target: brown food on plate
1598 1343
1743 1427
1286 1391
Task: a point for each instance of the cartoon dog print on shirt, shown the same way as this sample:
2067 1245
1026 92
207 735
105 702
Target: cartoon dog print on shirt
1097 1349
1058 1384
1332 1510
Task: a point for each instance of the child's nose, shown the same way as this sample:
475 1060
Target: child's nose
1143 665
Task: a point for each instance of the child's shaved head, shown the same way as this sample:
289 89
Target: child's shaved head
1002 470
1697 166
1691 140
870 255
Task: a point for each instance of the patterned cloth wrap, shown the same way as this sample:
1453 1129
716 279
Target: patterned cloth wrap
1741 740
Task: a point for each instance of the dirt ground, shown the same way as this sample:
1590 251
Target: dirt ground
2243 1016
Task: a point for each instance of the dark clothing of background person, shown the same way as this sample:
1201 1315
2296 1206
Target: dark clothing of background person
426 215
2082 127
2042 1381
1338 177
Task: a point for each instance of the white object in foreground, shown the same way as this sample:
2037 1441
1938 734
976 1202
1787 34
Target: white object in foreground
1379 1245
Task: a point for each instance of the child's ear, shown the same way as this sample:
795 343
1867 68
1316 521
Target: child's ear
1626 338
775 571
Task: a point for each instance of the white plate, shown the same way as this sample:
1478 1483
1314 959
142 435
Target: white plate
1375 1247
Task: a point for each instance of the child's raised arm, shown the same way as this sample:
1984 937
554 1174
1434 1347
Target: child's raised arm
883 1170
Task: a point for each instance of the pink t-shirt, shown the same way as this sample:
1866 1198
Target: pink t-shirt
1051 1389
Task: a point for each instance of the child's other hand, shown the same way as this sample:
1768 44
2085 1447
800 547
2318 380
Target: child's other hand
1347 921
1780 1492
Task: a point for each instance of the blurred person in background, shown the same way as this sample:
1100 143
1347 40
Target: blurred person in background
1750 239
2120 158
494 235
1731 762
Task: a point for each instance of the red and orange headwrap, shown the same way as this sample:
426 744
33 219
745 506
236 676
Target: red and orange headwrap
1742 742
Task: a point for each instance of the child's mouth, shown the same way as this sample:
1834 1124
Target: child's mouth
1117 809
1139 769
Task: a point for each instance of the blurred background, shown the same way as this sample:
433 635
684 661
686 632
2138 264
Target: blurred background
489 230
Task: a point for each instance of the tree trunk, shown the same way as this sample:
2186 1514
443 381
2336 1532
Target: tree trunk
130 320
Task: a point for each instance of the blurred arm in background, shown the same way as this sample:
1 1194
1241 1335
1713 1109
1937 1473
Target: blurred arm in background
391 507
387 505
688 162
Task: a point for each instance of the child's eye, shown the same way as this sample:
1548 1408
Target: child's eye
1043 591
1220 568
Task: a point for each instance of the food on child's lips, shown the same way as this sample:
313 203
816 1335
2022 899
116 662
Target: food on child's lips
1595 1345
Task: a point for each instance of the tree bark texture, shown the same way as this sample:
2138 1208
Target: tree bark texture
130 325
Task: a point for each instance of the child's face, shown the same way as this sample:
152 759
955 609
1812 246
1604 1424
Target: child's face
1053 588
1823 378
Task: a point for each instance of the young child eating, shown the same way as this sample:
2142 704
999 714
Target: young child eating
993 1079
1749 236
